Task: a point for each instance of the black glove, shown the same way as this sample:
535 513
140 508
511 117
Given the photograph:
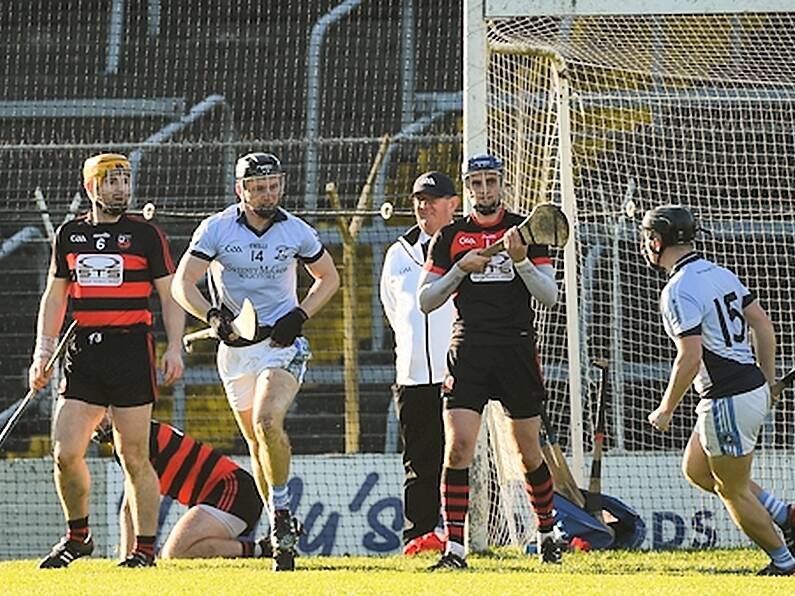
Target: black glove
221 322
288 327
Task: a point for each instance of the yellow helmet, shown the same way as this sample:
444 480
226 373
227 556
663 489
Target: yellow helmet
98 166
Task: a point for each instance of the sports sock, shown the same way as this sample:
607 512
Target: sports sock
540 490
280 497
455 504
145 545
782 558
78 529
777 508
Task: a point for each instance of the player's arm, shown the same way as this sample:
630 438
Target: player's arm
435 288
684 370
174 323
185 286
763 337
327 282
52 309
538 279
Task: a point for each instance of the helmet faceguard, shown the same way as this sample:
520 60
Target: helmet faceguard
259 166
96 169
483 163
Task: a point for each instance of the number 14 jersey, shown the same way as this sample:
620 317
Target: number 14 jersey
704 299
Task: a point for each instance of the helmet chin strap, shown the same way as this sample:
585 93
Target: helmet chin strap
263 212
489 209
656 266
112 210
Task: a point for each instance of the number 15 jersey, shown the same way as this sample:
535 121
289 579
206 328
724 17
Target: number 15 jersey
704 299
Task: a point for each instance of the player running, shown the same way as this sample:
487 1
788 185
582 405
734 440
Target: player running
713 318
253 250
222 499
493 347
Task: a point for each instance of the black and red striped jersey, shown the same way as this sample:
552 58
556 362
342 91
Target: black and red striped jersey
494 307
111 267
188 470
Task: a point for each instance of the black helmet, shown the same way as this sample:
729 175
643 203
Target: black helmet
258 164
675 224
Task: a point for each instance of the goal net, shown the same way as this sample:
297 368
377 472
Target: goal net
616 115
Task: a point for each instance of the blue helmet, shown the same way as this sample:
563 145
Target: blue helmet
482 162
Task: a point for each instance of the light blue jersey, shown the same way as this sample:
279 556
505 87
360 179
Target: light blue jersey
704 299
245 263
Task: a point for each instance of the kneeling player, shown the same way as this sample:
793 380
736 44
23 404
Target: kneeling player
222 498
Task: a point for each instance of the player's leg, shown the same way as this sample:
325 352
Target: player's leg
280 371
420 418
245 423
239 379
522 392
695 465
728 429
276 389
213 528
539 485
732 484
202 533
782 514
73 424
131 427
465 390
461 428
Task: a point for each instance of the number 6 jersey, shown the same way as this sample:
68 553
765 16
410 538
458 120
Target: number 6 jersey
704 299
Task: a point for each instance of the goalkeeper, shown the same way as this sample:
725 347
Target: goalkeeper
713 318
493 347
223 503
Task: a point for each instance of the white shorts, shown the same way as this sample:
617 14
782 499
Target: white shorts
730 425
233 523
239 368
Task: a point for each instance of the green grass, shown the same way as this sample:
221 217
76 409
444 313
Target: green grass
718 572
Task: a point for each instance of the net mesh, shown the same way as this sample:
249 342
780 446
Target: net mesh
696 110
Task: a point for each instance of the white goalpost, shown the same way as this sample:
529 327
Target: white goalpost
609 109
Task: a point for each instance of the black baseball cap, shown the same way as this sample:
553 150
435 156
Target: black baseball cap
434 184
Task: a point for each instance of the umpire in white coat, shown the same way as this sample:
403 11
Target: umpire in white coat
421 343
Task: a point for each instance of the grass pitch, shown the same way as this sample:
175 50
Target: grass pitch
718 572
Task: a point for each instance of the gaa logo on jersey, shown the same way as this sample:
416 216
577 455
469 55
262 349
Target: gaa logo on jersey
123 241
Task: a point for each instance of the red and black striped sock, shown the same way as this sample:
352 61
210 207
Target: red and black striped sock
248 548
78 529
145 545
455 504
540 490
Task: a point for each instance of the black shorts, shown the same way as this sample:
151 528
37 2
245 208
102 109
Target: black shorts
237 494
510 373
110 367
